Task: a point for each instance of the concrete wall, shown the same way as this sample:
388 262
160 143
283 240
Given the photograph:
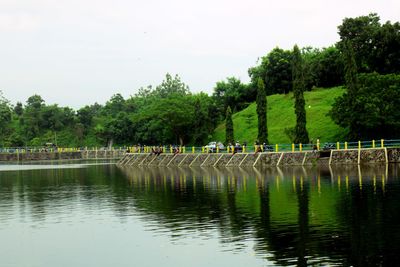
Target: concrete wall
344 157
28 156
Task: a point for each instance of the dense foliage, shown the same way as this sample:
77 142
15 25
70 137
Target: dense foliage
374 113
229 134
300 130
262 112
170 114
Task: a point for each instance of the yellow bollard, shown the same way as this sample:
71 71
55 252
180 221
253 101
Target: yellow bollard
227 149
381 142
345 145
193 149
337 145
217 149
318 144
373 143
243 149
300 147
292 147
276 148
202 149
359 145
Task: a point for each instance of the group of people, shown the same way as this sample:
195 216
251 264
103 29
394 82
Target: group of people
262 148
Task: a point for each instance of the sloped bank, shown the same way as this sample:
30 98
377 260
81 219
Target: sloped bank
305 158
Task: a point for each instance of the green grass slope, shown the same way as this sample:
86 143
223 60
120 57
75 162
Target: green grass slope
281 115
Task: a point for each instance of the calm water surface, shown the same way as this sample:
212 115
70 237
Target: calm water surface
85 214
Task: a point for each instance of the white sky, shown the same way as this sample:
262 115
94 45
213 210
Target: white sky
78 52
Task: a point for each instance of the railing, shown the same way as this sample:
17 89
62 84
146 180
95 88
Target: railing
269 148
57 149
229 149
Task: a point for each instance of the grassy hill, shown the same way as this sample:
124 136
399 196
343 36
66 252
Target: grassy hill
281 115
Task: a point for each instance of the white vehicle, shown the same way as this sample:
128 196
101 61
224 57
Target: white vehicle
212 147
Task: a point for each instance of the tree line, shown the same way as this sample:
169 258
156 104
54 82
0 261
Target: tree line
366 60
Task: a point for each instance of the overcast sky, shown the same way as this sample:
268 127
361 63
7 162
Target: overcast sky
78 52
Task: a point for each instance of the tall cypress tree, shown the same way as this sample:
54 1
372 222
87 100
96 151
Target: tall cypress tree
352 89
262 112
300 131
229 137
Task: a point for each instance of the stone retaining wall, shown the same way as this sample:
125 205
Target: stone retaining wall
268 159
189 158
236 159
249 160
223 160
393 154
292 158
177 159
167 158
211 160
344 156
373 156
156 161
199 160
350 157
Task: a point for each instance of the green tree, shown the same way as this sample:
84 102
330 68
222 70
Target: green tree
376 46
203 123
115 105
171 86
301 134
229 135
262 112
359 32
32 118
374 113
233 93
276 71
345 110
5 118
19 109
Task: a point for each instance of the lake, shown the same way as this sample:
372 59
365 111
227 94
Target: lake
99 214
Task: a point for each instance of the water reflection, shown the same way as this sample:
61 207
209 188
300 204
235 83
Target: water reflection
288 216
296 215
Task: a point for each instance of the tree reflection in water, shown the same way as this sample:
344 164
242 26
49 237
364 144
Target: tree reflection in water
290 216
295 215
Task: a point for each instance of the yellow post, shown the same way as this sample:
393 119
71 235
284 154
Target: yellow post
170 149
276 148
373 143
337 145
217 148
227 149
292 147
202 149
345 145
300 147
193 149
262 148
359 145
244 149
381 142
318 145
